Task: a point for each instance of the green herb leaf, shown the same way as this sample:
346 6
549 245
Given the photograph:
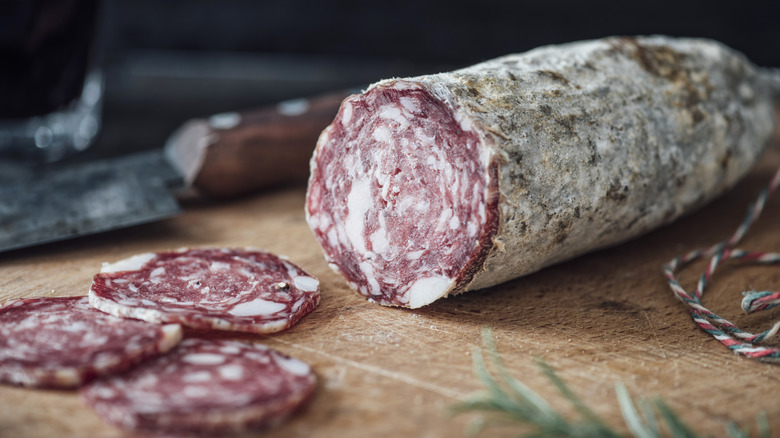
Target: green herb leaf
509 401
636 424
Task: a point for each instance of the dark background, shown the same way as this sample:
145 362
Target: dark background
429 31
168 61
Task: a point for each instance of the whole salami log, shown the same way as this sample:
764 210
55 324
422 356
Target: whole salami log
243 290
435 185
207 387
63 342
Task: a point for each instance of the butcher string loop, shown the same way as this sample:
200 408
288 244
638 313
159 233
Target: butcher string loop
736 339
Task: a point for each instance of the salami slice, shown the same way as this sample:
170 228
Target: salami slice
243 290
64 342
430 186
205 386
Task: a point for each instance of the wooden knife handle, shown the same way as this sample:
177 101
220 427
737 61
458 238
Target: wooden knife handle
232 154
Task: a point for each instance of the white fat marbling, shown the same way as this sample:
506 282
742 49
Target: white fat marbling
293 366
414 255
368 271
231 372
306 284
333 237
158 271
204 358
103 392
200 376
358 203
196 391
427 290
423 206
393 113
409 104
379 242
75 326
219 266
346 113
382 134
133 263
230 349
256 307
444 218
172 332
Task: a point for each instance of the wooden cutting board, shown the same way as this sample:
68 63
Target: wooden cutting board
600 319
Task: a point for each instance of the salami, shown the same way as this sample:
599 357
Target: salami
435 185
204 386
243 290
64 342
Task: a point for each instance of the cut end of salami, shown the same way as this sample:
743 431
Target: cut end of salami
208 288
399 195
205 387
64 342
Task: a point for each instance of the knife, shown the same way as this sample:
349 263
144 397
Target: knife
219 157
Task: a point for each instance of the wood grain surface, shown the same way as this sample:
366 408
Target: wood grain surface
600 319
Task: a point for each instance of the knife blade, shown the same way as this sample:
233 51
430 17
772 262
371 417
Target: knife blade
220 157
41 206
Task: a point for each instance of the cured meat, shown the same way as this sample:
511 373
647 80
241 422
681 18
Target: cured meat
208 288
435 185
64 342
204 386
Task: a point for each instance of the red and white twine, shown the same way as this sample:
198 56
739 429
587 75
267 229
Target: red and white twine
736 339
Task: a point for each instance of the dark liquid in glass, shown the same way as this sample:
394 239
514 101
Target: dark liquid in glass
44 54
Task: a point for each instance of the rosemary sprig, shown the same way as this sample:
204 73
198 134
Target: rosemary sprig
510 402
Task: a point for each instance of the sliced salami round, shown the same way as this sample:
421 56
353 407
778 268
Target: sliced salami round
243 290
64 342
205 386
